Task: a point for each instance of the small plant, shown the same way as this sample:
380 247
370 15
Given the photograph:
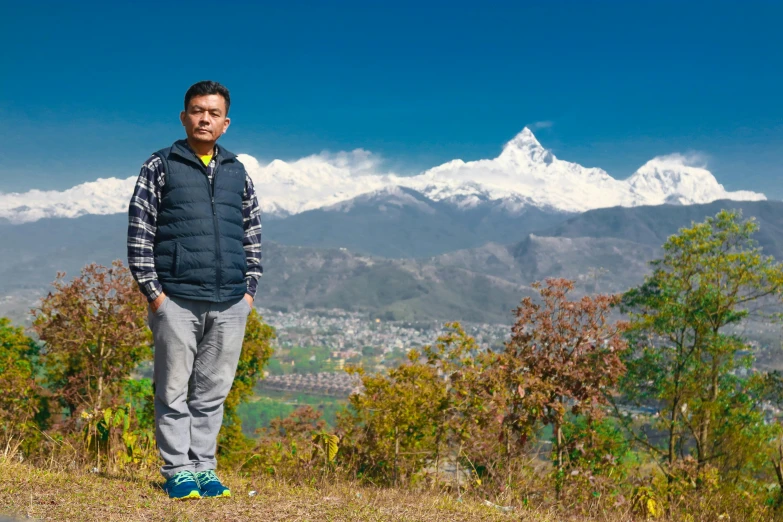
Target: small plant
327 444
109 435
645 503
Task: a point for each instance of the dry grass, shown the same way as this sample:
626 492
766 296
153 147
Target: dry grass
36 493
55 494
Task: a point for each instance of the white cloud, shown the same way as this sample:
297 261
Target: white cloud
317 180
689 159
542 125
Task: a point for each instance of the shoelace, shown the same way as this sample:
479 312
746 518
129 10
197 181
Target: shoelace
183 476
205 477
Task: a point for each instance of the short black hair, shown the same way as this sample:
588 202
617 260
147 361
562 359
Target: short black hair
206 88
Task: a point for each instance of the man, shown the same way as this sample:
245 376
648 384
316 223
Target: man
194 238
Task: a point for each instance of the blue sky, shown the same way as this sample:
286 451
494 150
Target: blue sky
90 89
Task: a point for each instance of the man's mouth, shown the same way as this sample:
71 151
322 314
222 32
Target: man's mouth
202 130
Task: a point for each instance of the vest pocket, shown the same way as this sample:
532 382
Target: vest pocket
177 256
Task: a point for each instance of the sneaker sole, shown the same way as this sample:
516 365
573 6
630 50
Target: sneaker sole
190 496
225 494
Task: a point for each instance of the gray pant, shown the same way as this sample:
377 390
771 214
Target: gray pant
197 347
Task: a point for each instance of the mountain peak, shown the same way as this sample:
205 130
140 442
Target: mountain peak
681 179
524 140
526 145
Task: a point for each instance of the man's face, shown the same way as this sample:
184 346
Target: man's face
205 118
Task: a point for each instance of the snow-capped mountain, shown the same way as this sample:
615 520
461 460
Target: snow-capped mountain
102 196
528 173
675 180
312 182
524 175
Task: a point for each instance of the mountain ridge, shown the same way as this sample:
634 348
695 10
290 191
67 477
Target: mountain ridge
525 174
604 250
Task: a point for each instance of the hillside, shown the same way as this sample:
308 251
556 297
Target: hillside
294 277
493 257
652 225
402 223
599 264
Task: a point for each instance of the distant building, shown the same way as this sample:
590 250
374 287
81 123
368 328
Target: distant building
331 384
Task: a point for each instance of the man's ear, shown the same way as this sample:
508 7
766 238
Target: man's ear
226 124
182 118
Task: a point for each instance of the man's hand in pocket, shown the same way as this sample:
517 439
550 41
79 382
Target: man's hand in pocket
154 305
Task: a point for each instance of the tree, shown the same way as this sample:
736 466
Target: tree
467 416
391 427
439 403
20 401
256 352
293 445
686 358
563 357
773 393
95 332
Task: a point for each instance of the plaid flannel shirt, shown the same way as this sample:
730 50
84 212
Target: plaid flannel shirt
142 224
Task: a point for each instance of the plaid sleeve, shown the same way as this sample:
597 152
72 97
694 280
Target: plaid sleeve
142 224
251 215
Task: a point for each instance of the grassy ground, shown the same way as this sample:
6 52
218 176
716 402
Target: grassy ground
28 492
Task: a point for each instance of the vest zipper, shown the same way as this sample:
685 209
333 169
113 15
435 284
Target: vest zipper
217 229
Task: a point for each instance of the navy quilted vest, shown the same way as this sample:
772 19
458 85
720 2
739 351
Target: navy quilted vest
198 244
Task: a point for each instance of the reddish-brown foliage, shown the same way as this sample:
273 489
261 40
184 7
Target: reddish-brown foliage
563 356
95 333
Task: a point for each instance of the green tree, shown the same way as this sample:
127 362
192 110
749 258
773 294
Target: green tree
467 416
686 364
20 401
138 393
391 427
95 332
440 405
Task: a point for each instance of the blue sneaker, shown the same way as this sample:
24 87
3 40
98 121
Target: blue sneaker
183 485
210 485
